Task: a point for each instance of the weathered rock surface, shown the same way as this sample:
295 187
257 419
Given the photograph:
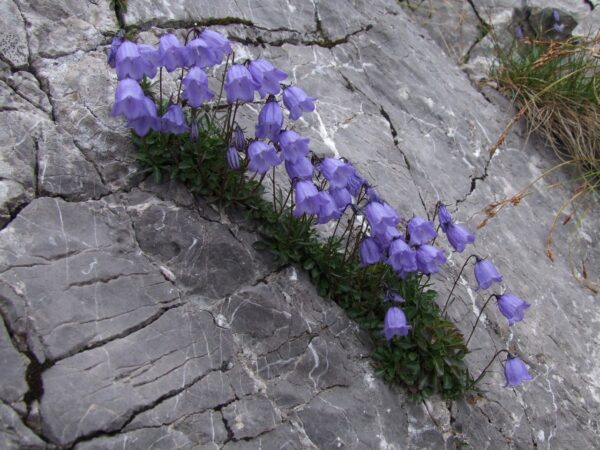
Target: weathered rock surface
136 316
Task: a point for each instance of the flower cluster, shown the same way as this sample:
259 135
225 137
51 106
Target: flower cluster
322 189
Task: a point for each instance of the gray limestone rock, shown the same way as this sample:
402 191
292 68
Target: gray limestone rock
14 435
250 417
14 364
27 86
13 38
590 25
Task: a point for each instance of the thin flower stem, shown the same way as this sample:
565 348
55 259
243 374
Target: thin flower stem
455 282
274 196
222 86
160 106
479 316
487 367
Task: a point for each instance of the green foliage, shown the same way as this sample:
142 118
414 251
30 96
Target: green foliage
428 361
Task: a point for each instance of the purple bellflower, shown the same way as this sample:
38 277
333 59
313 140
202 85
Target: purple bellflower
267 76
444 217
239 84
296 101
217 42
293 146
459 236
383 220
262 157
233 158
420 231
515 371
429 259
341 196
173 121
355 182
393 296
308 199
370 252
301 169
133 61
172 54
519 32
207 49
373 195
337 172
194 132
112 53
402 258
129 100
328 210
196 89
270 121
486 273
395 323
239 141
512 307
142 124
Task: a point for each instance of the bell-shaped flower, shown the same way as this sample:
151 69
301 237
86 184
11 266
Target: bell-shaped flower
172 54
381 215
301 169
328 210
512 307
218 43
429 259
308 199
402 258
134 61
207 49
486 273
355 182
173 121
341 196
239 84
267 76
296 101
459 236
445 217
262 157
196 89
293 146
270 120
515 371
395 323
112 53
336 172
130 100
373 195
239 141
420 231
233 158
144 123
370 252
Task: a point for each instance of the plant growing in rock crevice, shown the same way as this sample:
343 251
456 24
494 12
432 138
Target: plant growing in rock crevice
375 264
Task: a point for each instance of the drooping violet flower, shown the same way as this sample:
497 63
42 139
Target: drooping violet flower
341 196
218 43
444 217
131 63
515 371
293 146
373 195
233 158
194 132
355 182
370 252
393 296
337 172
239 84
112 53
382 219
239 141
402 258
150 54
308 200
267 76
142 124
519 32
395 323
172 54
512 307
196 89
429 259
270 121
420 231
173 121
459 236
328 210
207 49
262 157
301 169
296 101
486 273
129 100
556 15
